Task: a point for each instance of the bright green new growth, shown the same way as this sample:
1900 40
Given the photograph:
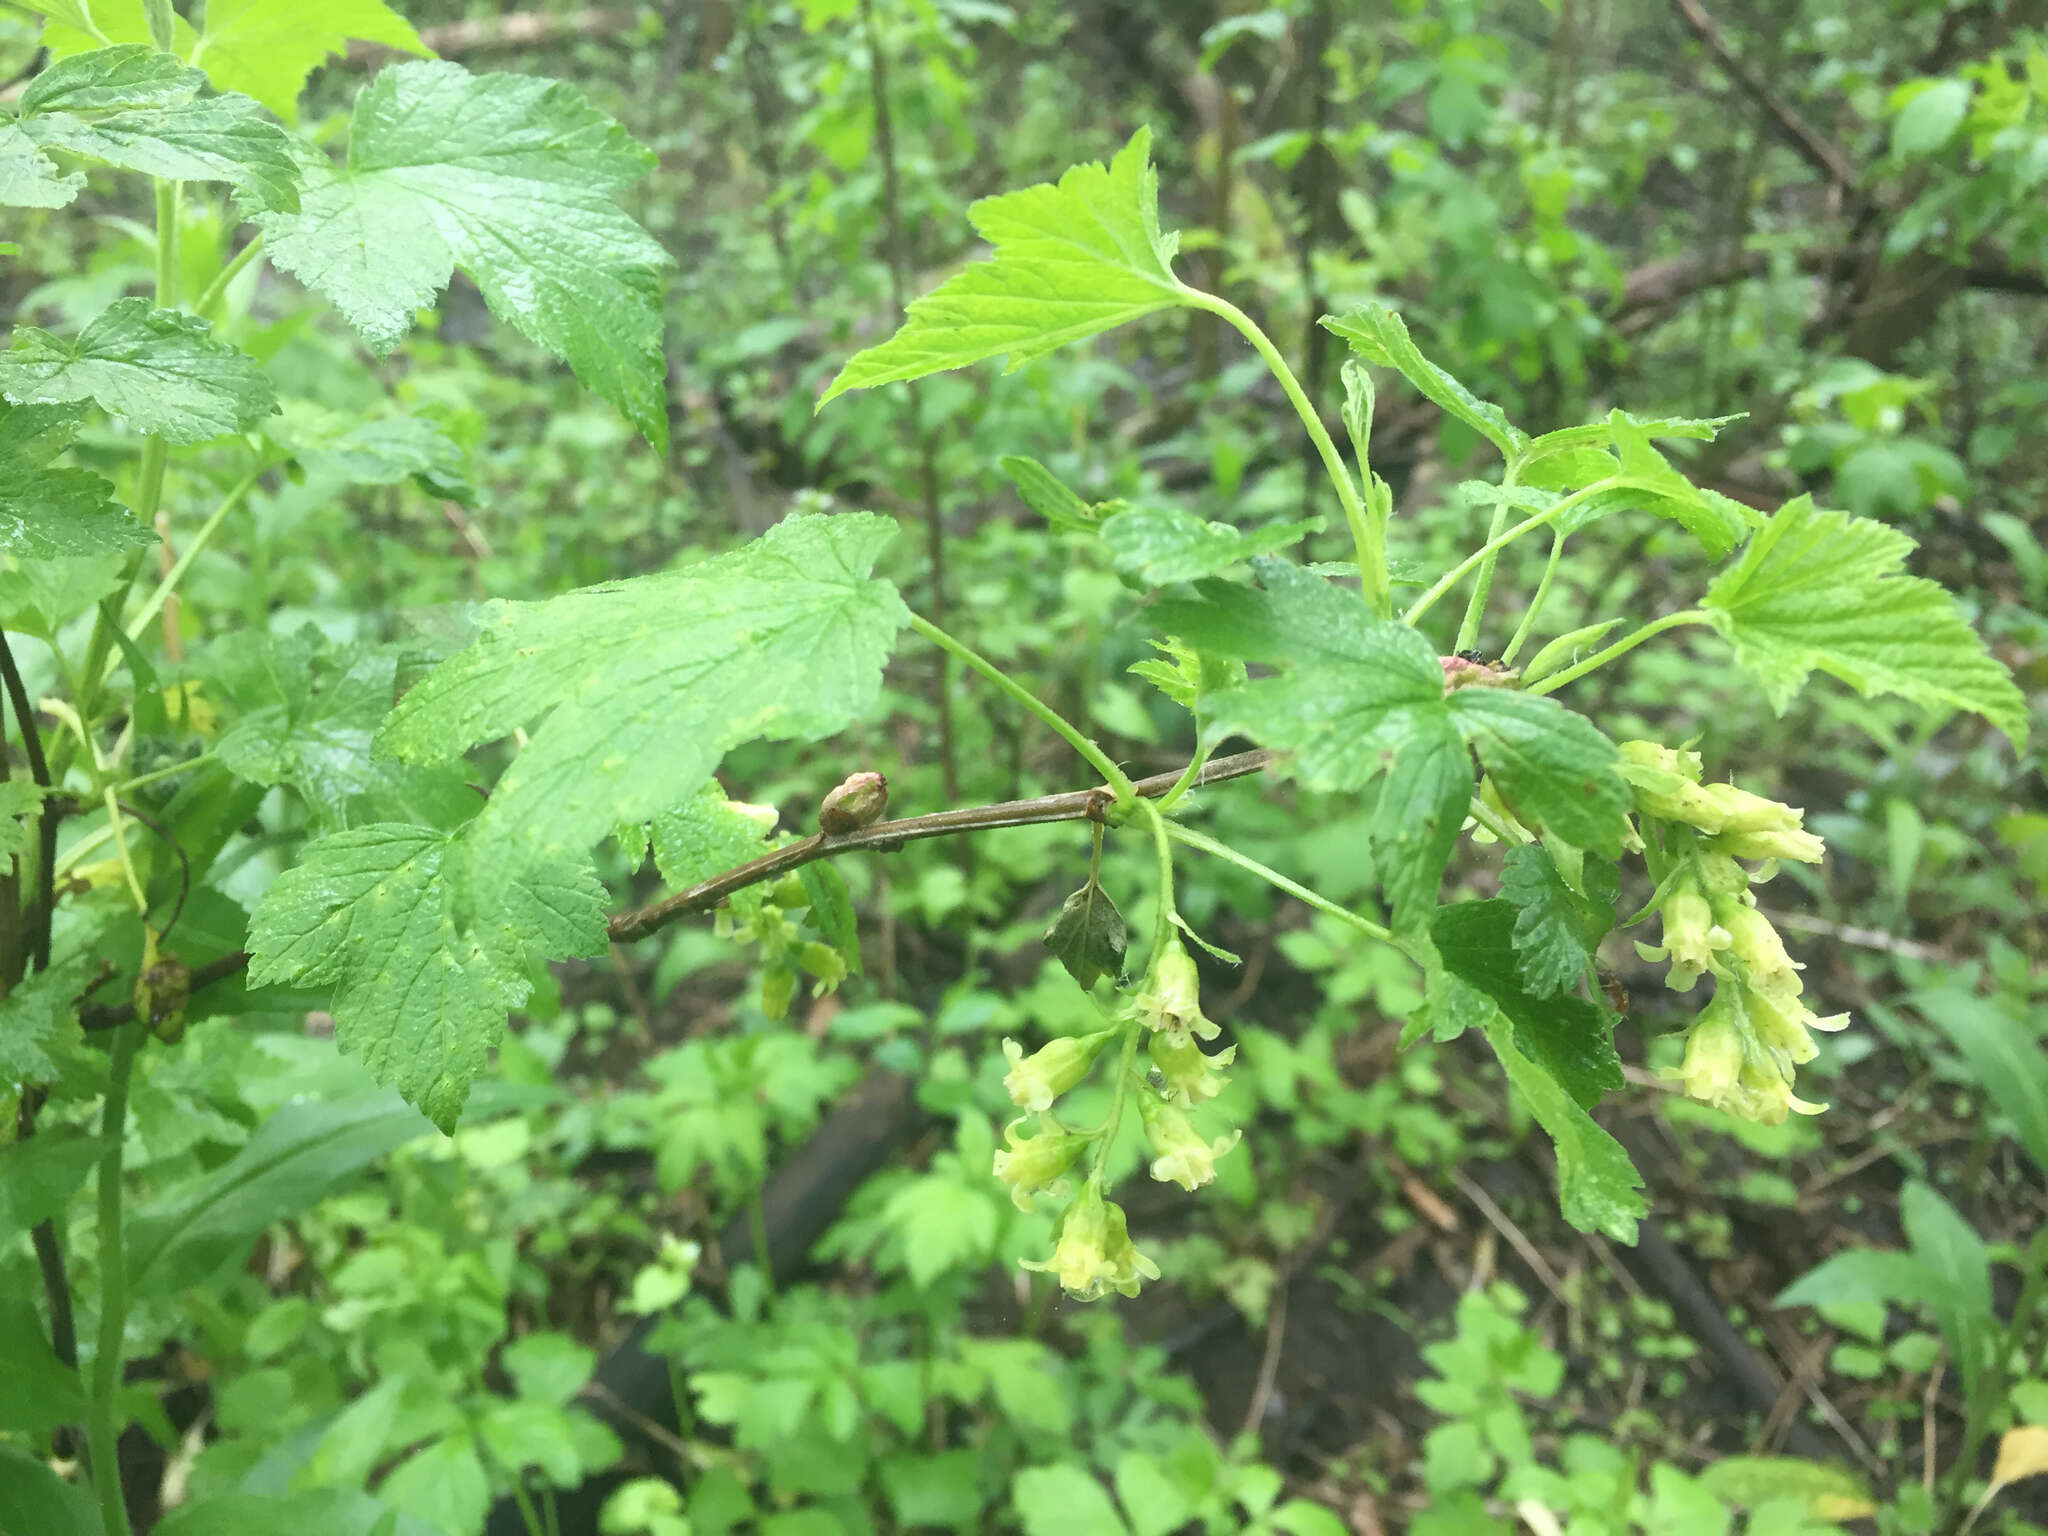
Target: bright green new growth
1824 591
138 109
1072 260
262 48
513 180
423 962
641 686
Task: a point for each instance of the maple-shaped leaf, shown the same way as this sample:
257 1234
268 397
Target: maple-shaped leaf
1566 1036
423 961
1162 545
1072 259
1824 591
158 369
28 177
513 180
1598 1187
261 48
141 110
33 1014
640 686
310 711
1359 696
707 833
19 800
50 514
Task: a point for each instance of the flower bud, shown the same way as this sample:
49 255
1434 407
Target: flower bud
1191 1076
1766 1096
1781 1023
1182 1155
1094 1254
1036 1080
857 801
1170 996
1036 1165
1667 784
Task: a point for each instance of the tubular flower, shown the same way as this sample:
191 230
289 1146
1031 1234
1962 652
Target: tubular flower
1036 1080
1756 944
1192 1077
1738 1056
1183 1155
1094 1254
1037 1165
1713 1055
1691 937
1752 827
1170 996
1782 1023
1666 782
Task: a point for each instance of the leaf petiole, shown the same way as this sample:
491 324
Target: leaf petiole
1278 881
1625 644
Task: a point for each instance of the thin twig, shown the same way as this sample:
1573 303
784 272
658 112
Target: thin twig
1824 156
887 836
40 916
1269 1362
1517 1240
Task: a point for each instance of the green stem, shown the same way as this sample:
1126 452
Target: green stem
158 13
1482 588
1096 758
1162 846
1195 765
217 289
1367 538
147 613
1496 544
1127 1055
1536 602
1625 644
128 786
103 1425
1278 881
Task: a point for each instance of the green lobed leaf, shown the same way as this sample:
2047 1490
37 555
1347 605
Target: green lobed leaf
51 514
1566 1036
642 685
321 708
832 911
1598 434
703 835
1718 522
157 369
1162 545
1824 591
267 48
2004 1056
28 177
1598 1187
1379 336
424 958
1556 929
32 1015
159 124
1554 767
1072 260
1421 808
39 1176
513 180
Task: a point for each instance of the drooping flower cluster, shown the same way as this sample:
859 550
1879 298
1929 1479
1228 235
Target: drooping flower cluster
1742 1050
1093 1253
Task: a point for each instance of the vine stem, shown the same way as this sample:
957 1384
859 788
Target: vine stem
217 289
103 1426
1135 1028
1278 881
1502 540
1366 537
1095 757
202 537
1482 587
1542 596
1625 644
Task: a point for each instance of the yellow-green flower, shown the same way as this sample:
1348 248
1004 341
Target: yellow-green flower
1093 1254
1035 1081
1171 994
1181 1154
1691 937
1037 1165
1754 942
1191 1076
